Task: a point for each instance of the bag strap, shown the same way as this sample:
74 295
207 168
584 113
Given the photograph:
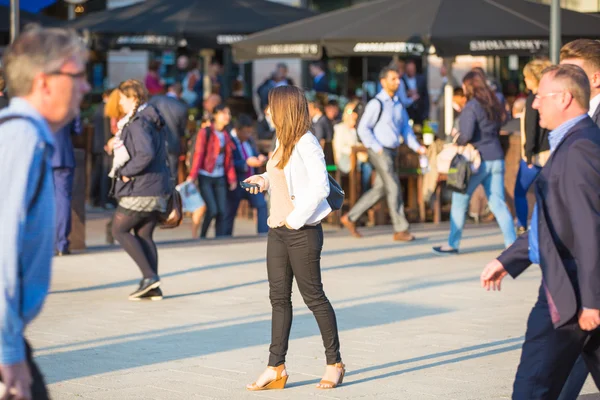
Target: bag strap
380 112
208 132
40 182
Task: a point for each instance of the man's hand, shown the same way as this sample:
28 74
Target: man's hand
422 150
256 162
589 319
492 275
258 180
125 179
17 379
262 159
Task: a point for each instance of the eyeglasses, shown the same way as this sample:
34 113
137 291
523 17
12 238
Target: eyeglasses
73 75
541 96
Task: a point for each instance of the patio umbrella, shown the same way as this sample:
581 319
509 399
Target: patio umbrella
387 27
200 22
26 18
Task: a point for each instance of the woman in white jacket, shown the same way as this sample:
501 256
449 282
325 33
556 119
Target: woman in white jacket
298 183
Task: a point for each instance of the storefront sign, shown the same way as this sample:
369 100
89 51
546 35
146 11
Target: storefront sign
153 40
389 47
500 45
229 39
302 49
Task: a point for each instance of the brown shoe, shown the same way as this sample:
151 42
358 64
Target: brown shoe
403 236
351 226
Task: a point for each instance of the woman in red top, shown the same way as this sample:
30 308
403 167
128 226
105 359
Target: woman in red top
213 167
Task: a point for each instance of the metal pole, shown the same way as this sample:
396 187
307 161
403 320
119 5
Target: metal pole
71 10
555 33
14 19
365 77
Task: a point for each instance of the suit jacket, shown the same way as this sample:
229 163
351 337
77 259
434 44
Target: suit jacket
419 110
175 115
566 191
239 161
323 129
64 154
596 116
321 85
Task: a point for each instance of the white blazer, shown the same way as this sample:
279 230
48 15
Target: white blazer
307 181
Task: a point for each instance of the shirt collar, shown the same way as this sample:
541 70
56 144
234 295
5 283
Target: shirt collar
20 106
556 136
594 103
384 96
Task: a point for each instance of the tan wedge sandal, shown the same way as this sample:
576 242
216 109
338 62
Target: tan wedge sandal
277 383
333 385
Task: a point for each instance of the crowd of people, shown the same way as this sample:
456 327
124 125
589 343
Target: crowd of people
141 140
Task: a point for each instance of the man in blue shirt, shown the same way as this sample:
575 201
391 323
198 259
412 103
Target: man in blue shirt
381 128
45 73
563 240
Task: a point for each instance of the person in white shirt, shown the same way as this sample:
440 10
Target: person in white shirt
344 138
298 184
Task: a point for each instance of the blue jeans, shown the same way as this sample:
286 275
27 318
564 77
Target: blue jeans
491 175
214 193
257 201
525 179
366 170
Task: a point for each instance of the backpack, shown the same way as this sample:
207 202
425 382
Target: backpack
459 174
362 109
40 182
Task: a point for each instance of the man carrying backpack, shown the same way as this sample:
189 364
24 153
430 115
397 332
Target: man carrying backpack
383 123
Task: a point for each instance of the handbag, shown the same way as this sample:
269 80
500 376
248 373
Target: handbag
173 216
450 150
336 194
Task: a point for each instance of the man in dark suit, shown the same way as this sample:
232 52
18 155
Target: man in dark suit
584 53
322 128
63 168
175 113
320 81
416 89
563 239
246 160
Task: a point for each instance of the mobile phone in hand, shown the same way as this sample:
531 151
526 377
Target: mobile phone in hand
245 185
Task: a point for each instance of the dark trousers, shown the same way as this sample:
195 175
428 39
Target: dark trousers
214 193
174 166
525 177
549 354
63 191
576 380
135 231
257 201
38 385
298 253
100 182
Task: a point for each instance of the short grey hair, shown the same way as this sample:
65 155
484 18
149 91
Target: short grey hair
38 50
574 80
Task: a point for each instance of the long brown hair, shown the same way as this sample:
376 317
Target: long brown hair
136 89
477 88
289 111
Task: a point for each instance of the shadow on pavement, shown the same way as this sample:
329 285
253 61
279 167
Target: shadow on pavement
143 352
373 263
512 344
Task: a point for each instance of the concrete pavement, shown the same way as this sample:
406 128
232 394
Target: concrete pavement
412 325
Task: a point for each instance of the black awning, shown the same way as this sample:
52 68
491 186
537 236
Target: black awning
454 27
202 22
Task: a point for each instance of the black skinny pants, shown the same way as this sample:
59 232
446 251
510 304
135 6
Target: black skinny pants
298 253
139 245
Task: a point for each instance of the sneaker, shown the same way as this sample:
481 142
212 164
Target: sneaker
442 252
146 285
403 236
152 295
521 230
